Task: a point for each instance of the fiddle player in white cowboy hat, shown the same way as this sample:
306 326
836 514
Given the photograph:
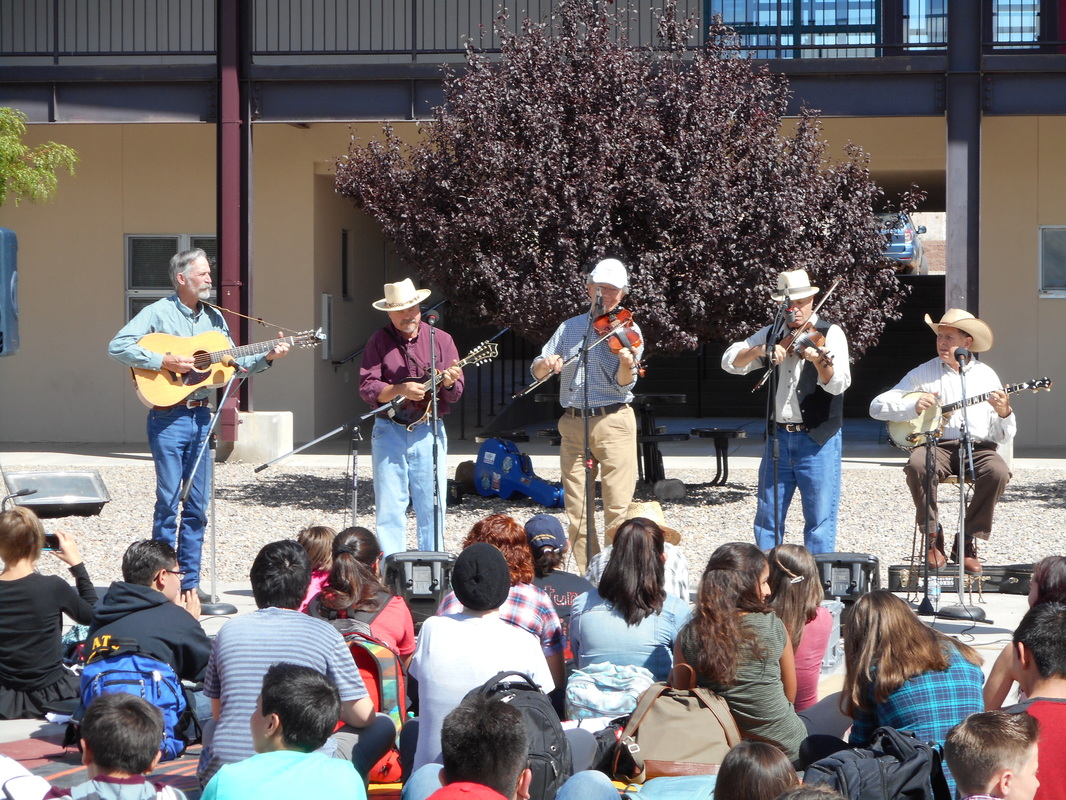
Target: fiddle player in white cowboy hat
937 382
396 363
808 412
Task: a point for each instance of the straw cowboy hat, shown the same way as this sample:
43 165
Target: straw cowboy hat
794 285
399 296
968 324
651 510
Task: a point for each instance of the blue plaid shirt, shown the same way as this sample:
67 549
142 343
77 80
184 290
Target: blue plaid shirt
928 705
604 389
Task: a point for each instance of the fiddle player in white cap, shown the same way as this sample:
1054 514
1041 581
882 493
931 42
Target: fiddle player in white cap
808 412
937 383
396 363
612 424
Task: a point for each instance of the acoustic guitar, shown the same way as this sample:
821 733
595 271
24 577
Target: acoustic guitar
208 351
914 432
411 413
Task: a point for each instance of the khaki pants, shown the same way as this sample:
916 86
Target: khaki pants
613 444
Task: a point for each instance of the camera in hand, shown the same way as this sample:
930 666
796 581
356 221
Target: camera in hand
51 542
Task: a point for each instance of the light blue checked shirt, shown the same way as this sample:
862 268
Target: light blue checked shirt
604 389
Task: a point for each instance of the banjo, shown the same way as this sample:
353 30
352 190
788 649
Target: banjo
913 433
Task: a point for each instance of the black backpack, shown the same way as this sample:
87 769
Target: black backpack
896 766
549 751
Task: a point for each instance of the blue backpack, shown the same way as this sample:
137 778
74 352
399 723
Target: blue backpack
118 665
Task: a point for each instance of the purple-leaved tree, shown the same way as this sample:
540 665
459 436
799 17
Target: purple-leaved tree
571 146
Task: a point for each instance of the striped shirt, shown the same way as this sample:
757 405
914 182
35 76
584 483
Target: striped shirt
244 649
526 607
604 389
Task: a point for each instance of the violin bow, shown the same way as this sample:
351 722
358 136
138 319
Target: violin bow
576 355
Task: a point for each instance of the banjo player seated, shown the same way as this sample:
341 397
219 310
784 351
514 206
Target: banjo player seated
919 400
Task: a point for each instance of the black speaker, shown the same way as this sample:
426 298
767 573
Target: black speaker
848 576
421 578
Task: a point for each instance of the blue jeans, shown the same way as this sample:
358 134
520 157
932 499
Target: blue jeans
815 471
403 473
174 436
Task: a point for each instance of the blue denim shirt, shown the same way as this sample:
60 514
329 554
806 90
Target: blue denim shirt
599 633
170 315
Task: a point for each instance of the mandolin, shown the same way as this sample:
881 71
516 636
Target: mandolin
913 433
411 413
208 350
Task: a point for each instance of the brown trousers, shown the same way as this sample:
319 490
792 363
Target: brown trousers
992 477
613 442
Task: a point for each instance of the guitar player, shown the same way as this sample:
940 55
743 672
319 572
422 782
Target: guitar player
396 361
175 432
936 383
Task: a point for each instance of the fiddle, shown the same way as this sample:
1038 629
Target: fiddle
800 339
617 326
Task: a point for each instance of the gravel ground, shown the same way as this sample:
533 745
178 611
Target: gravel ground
875 515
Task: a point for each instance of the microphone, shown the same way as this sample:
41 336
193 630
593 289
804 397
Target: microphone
963 356
230 361
790 315
431 317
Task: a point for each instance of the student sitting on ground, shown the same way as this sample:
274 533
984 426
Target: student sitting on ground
994 754
294 716
32 674
120 737
317 540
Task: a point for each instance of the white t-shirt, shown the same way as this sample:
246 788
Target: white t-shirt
457 653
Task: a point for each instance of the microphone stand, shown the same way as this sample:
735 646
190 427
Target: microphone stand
353 452
960 610
434 420
773 336
925 608
590 485
214 608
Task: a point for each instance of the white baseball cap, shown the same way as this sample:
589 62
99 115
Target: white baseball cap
610 271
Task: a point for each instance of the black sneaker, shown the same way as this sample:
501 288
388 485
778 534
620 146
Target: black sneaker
203 596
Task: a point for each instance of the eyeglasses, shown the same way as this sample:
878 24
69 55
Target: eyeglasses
178 572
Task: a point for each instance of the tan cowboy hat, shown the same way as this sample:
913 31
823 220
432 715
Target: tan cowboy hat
399 296
968 324
650 510
795 285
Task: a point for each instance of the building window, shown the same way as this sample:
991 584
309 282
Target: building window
148 265
1053 260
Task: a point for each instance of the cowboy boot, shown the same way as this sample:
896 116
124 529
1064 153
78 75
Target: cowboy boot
935 555
969 557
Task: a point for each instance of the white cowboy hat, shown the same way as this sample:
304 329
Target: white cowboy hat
650 510
399 296
968 324
794 285
610 271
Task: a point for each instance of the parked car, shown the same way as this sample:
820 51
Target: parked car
904 247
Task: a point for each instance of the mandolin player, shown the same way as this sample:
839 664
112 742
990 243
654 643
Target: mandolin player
938 383
395 364
175 432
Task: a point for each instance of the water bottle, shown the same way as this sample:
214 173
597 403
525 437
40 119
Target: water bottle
934 594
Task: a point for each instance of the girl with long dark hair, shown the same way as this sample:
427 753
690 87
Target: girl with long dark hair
741 650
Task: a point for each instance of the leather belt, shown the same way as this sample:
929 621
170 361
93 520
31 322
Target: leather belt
792 427
187 404
600 411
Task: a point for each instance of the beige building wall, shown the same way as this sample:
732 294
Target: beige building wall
1023 172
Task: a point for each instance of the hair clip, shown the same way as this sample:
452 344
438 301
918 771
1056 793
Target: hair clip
797 579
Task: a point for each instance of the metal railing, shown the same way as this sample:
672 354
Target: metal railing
426 30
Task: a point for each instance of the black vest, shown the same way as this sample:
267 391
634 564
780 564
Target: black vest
822 413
